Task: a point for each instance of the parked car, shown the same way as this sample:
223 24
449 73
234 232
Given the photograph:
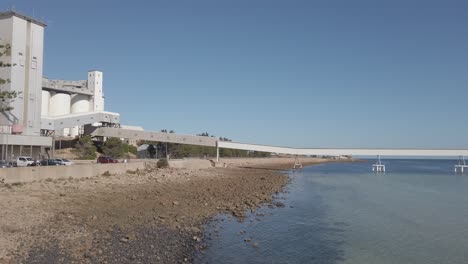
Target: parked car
5 164
50 162
106 159
24 161
64 162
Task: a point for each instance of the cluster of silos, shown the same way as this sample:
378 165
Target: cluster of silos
59 104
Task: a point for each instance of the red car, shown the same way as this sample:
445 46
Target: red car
105 159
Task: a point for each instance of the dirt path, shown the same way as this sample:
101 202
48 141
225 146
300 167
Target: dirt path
153 216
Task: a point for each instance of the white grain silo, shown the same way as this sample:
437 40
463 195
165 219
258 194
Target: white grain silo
79 104
45 103
59 104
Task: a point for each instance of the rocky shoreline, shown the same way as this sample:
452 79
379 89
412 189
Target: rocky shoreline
148 216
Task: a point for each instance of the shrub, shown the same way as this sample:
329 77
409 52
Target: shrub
129 148
85 148
162 163
113 147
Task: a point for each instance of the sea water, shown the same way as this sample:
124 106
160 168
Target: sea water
416 212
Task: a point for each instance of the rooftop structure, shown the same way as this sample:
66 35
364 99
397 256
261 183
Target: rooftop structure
11 13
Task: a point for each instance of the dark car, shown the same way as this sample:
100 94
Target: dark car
5 164
50 162
105 159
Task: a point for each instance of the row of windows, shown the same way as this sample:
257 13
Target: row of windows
33 61
21 55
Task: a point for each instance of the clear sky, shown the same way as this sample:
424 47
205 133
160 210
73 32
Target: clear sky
293 73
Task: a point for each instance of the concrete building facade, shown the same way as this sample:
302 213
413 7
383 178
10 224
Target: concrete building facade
26 37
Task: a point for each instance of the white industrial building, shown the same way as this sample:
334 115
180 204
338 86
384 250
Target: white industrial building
45 108
61 98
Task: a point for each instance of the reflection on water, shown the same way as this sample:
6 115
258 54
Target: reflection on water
417 212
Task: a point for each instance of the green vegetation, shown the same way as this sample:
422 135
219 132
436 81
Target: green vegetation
114 147
129 148
177 151
85 148
6 97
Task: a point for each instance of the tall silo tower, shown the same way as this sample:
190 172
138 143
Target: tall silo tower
95 85
26 37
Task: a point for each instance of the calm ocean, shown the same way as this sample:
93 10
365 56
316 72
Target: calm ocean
417 212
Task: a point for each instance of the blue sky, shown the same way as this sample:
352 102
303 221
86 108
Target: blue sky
293 73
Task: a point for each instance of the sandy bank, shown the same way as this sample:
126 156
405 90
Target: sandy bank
285 163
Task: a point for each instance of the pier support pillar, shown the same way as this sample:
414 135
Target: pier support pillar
461 165
52 148
217 152
297 163
378 166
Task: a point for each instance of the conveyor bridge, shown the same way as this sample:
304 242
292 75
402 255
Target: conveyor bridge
214 142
